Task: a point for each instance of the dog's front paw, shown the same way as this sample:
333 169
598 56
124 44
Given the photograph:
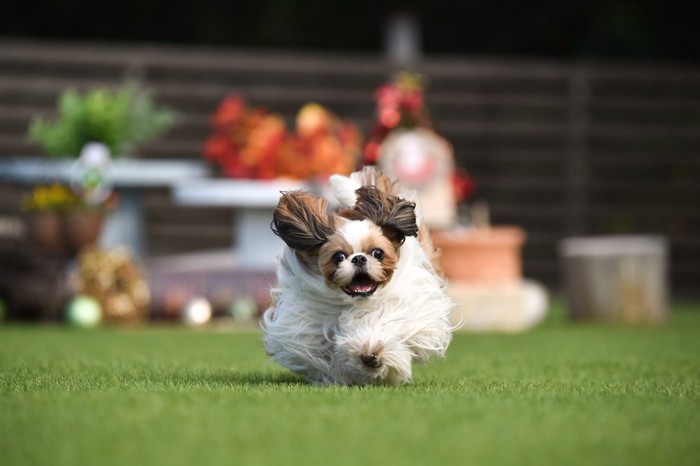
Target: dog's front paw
362 359
371 360
372 355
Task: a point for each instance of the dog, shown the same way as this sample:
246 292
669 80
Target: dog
358 298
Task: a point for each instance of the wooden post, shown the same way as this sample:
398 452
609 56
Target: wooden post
576 149
620 279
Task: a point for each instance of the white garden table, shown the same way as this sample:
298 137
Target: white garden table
253 202
130 177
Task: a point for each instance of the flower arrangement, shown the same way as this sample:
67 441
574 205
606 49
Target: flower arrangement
401 105
120 119
60 199
250 142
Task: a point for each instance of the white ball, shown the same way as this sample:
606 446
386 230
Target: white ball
197 311
84 311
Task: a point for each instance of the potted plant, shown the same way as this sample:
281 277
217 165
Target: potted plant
120 119
60 221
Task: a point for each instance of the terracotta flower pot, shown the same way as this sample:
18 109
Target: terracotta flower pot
81 229
56 233
45 231
481 254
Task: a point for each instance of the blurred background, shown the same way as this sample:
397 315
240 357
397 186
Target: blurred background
571 117
569 29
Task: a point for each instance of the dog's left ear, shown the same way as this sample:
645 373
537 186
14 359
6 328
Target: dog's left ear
395 216
302 221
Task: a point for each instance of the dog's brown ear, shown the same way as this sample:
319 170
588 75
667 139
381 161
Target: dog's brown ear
395 216
302 220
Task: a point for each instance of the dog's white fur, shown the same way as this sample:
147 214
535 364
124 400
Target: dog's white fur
319 332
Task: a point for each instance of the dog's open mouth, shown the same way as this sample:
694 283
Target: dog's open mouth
361 285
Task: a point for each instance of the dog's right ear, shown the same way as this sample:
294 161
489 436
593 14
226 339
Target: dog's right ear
302 220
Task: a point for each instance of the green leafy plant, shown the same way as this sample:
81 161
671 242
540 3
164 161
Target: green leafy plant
121 119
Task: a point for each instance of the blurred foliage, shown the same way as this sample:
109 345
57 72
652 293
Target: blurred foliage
121 119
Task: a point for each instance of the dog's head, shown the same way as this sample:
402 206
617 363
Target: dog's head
355 249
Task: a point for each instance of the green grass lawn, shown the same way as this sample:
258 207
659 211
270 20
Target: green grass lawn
562 394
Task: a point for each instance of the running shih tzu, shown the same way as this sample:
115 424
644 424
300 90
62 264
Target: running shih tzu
358 299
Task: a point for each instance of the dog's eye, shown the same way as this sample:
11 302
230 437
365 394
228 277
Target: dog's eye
338 257
378 254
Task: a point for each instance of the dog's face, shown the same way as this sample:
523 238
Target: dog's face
356 250
358 258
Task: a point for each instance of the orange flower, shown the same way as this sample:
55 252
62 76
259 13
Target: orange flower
252 143
313 120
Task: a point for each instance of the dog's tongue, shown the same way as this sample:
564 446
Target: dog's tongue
362 284
360 288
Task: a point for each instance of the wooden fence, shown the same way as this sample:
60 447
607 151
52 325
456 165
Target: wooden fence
559 148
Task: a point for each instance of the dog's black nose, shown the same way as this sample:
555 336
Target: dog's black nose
359 260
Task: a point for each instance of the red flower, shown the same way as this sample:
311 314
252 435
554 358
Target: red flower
389 116
463 185
371 152
229 113
413 100
388 95
218 148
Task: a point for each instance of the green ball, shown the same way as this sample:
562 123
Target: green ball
243 309
84 311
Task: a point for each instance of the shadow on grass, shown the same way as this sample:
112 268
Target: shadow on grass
272 381
222 380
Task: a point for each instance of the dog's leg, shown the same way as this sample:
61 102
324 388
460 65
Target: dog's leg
299 345
363 356
430 342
